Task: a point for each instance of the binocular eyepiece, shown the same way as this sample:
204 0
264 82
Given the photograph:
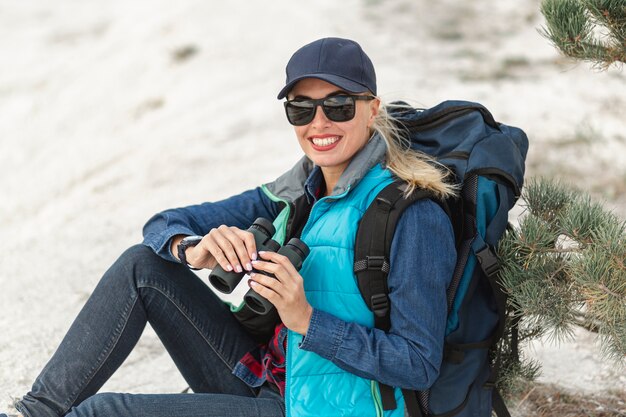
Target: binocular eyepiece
262 229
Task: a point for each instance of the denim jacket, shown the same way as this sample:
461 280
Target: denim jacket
422 260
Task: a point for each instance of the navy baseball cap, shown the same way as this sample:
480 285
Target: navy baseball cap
341 62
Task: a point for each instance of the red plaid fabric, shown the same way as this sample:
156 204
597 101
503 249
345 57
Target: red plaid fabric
267 361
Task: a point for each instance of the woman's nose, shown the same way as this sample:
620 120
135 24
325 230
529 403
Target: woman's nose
320 119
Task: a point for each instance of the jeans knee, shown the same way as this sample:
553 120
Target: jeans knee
137 255
96 405
142 264
133 263
139 258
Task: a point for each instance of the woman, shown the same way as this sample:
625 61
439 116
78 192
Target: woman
318 353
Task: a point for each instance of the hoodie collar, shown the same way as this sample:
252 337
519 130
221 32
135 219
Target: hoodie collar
307 175
370 155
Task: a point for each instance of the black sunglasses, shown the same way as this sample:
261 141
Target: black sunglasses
339 108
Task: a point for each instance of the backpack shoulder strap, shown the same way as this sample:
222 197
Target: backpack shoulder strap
372 257
373 245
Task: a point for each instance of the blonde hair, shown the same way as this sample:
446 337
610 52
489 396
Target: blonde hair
416 168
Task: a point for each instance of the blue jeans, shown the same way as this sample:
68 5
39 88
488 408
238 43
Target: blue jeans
197 329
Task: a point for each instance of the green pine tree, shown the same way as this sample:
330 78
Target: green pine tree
589 30
563 266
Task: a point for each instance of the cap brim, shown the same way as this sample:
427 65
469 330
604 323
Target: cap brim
343 83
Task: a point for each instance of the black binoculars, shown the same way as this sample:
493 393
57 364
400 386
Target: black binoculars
262 229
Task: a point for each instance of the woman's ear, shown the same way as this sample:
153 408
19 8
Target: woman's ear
374 110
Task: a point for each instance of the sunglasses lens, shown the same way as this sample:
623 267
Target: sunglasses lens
300 113
336 108
339 108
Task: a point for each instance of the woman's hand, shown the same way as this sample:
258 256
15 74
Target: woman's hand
228 246
285 292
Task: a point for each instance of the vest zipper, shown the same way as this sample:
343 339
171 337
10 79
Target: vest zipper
333 197
287 377
378 404
287 350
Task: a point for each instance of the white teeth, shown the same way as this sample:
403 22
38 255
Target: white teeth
325 141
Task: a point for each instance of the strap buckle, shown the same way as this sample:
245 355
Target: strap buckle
488 261
383 204
489 385
375 262
380 304
372 263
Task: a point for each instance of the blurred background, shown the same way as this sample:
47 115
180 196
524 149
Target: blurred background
113 111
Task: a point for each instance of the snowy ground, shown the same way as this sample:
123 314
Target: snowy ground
112 111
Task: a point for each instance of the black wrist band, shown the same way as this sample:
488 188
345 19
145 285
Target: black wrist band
185 244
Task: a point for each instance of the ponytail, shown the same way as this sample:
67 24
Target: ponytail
416 168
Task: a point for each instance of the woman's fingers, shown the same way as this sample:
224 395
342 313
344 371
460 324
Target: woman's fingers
285 291
231 247
273 261
214 244
237 244
248 240
285 277
267 282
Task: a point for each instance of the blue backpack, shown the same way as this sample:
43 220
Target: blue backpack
487 160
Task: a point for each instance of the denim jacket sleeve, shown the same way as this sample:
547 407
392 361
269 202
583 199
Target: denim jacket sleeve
423 256
240 210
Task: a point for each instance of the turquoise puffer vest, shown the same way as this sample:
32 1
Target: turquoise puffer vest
316 386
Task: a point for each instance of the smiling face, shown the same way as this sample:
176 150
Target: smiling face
331 145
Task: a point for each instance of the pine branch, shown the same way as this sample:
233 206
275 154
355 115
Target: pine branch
564 266
586 323
589 30
610 14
